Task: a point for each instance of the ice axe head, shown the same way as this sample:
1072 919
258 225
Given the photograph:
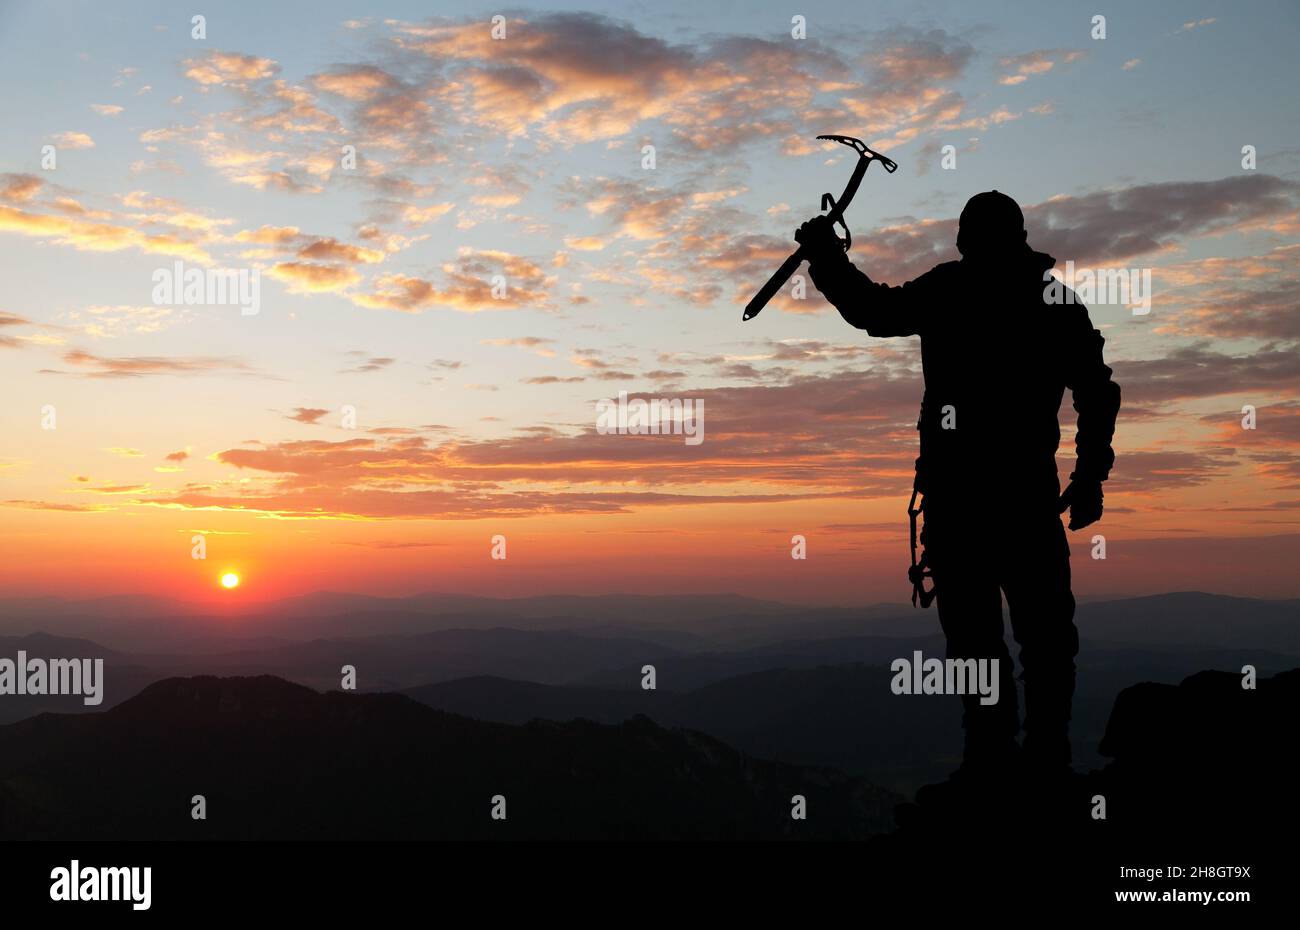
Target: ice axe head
860 147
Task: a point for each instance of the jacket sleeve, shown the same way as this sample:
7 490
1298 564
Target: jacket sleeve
1096 399
880 309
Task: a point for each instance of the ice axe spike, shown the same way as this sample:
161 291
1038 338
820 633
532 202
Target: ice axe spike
836 215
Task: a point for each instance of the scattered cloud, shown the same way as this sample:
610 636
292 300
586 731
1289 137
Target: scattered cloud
310 415
98 366
1020 68
74 140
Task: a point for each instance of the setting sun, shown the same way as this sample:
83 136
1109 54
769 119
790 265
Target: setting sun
230 580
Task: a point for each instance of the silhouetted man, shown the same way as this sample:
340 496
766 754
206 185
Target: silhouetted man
997 358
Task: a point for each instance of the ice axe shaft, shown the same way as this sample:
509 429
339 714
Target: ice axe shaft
836 215
774 284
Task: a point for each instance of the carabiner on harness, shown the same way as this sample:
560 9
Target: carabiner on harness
920 570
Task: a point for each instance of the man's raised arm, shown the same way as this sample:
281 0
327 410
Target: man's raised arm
880 309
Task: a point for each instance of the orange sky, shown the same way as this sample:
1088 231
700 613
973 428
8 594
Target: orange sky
386 412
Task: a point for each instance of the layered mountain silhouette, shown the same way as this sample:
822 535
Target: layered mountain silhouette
124 675
841 716
1206 764
820 698
276 760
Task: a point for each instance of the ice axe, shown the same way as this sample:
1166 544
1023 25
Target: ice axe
837 208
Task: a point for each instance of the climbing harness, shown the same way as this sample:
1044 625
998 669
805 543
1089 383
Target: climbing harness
920 569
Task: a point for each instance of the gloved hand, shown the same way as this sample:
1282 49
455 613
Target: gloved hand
818 238
1083 498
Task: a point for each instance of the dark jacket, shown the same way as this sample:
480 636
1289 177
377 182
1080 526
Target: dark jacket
997 359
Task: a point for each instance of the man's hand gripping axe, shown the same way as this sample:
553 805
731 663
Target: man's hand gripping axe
837 208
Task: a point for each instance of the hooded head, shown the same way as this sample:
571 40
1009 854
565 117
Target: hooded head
991 226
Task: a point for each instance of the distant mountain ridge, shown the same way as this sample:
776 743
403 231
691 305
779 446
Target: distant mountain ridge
813 699
841 716
697 623
277 760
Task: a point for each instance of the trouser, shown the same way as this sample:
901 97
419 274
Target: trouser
977 555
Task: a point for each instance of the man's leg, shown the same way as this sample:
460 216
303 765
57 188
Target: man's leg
1037 586
970 612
